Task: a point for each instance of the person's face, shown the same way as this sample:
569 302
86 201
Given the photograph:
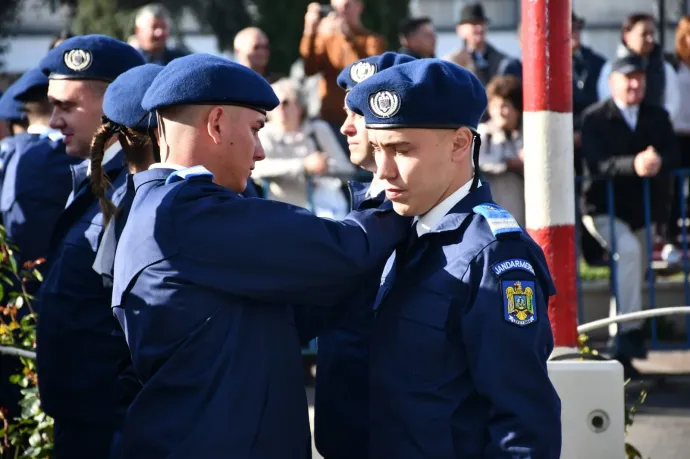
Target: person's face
419 166
629 89
77 112
289 110
349 10
256 50
503 113
474 34
152 33
361 151
575 37
423 40
640 39
237 145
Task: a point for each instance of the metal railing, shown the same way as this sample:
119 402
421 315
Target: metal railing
678 192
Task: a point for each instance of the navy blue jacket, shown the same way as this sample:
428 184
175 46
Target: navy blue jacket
341 392
202 278
80 346
37 182
460 341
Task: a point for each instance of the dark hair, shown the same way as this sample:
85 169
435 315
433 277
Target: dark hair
410 25
633 19
137 148
62 36
507 87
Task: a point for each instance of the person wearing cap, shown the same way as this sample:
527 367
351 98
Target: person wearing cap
14 121
638 38
476 54
81 350
203 276
461 333
37 176
627 140
341 393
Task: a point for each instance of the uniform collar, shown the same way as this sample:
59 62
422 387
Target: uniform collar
428 221
460 210
376 187
44 131
161 171
175 167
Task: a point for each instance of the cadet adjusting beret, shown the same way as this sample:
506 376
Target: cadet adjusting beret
90 57
122 99
10 108
364 68
423 93
31 86
202 79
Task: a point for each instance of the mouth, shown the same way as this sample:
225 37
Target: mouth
67 138
394 193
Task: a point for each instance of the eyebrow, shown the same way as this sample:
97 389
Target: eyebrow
389 144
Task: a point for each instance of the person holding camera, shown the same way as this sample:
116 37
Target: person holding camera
334 38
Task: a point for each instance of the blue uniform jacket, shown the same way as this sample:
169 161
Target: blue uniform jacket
81 347
37 182
202 278
341 393
460 341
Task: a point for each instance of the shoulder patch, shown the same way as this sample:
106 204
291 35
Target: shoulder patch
190 173
518 302
514 263
500 221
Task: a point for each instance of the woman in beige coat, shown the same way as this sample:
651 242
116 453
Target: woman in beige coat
500 160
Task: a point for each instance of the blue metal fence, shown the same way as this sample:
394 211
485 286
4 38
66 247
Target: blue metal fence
680 176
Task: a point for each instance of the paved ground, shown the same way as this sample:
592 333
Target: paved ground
662 426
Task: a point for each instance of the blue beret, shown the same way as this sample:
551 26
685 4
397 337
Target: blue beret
122 99
90 57
10 108
423 93
201 79
29 84
364 68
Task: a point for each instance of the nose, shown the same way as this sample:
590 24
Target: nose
385 166
55 121
348 127
259 153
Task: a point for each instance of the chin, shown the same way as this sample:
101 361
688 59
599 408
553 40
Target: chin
403 209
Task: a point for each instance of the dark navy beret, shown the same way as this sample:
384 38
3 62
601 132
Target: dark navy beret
201 79
122 99
32 83
90 57
364 68
423 93
10 108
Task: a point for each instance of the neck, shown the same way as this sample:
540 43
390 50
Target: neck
288 125
479 48
38 120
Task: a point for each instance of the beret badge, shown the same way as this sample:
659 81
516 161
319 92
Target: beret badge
384 104
78 59
361 71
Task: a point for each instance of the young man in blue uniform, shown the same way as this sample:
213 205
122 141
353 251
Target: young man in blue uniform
81 350
341 393
203 275
461 334
38 176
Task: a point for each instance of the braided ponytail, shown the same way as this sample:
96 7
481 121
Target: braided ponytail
99 180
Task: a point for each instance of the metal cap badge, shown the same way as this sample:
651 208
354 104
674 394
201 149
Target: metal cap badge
78 60
384 104
361 71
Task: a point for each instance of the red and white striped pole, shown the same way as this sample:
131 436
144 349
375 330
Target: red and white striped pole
548 137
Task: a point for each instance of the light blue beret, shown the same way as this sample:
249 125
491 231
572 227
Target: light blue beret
122 99
29 85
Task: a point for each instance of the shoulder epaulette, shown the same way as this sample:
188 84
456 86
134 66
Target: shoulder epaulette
191 173
500 221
